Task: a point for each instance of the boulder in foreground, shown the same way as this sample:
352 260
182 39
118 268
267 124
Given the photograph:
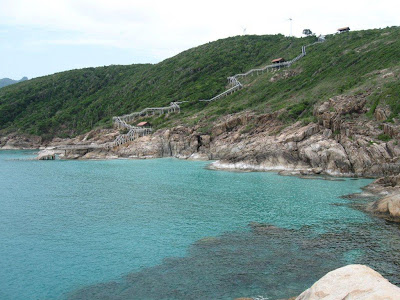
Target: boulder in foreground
352 282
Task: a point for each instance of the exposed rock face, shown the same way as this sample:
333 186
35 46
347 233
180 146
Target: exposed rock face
330 113
178 142
15 141
352 282
284 74
382 113
97 136
344 142
391 130
389 181
99 154
381 187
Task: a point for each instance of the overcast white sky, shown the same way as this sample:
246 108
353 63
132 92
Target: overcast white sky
40 37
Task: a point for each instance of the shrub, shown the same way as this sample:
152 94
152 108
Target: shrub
384 137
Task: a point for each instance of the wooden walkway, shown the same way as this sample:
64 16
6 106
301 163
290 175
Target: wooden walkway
234 83
135 132
172 108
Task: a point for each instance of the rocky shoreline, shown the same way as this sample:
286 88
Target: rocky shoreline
341 142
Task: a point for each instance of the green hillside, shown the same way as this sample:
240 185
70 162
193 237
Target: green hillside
73 102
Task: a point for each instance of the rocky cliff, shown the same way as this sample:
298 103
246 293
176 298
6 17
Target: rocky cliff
342 141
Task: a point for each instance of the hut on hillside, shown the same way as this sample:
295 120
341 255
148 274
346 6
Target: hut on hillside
343 29
278 60
144 125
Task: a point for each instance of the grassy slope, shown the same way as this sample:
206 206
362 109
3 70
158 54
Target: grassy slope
75 101
345 64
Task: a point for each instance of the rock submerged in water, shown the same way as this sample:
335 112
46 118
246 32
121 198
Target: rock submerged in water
352 282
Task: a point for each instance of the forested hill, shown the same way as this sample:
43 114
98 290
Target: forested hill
73 102
7 81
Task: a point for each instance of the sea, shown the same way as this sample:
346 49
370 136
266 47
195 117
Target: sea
173 229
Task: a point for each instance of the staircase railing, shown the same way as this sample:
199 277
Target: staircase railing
135 132
237 85
173 107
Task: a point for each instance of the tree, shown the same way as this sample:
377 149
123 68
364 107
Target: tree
307 32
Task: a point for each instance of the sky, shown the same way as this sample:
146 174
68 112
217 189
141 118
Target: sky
41 37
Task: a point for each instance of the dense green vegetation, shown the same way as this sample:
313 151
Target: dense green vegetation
73 102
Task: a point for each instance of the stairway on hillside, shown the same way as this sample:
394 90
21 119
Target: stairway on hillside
234 83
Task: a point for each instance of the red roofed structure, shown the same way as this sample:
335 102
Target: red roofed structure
144 124
278 60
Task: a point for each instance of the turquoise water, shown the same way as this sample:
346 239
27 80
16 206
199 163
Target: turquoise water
171 229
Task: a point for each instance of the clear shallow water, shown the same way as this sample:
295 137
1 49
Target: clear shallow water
127 228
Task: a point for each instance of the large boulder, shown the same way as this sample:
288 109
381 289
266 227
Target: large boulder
352 282
382 113
388 206
330 113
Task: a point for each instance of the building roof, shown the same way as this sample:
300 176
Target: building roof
343 29
141 124
278 60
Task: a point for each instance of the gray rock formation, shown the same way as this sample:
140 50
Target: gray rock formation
46 155
343 142
15 141
352 282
